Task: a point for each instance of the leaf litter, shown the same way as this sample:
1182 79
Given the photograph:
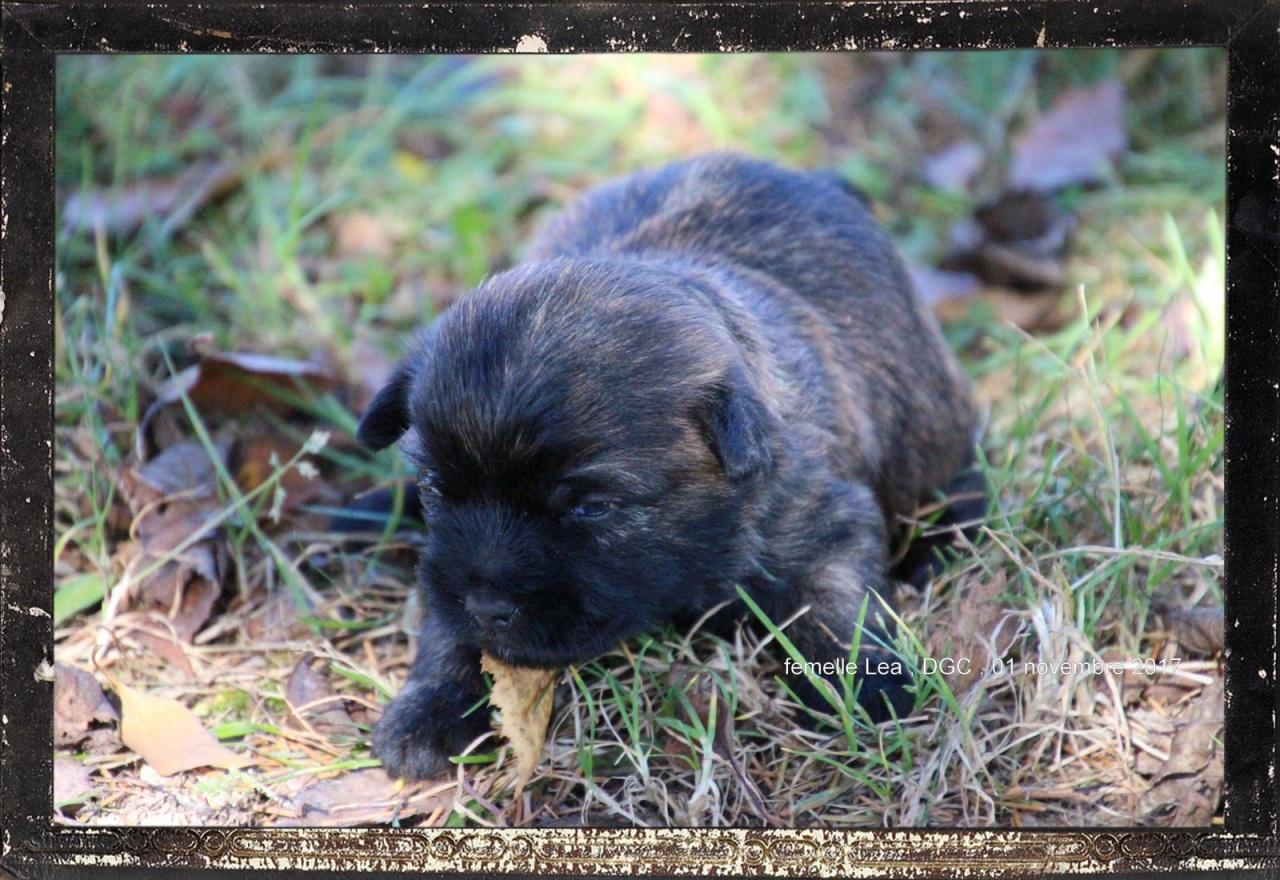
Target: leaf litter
1011 252
173 501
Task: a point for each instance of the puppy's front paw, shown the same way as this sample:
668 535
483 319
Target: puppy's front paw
423 726
884 695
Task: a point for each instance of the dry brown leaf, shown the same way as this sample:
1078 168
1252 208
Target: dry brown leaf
78 701
1073 142
1199 630
162 529
175 199
1187 786
965 633
523 696
165 644
168 735
181 469
235 382
238 381
363 797
184 588
260 451
172 497
304 690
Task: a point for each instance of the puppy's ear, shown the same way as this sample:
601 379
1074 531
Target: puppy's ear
740 427
387 417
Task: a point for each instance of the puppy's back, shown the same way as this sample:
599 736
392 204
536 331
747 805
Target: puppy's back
804 229
814 238
721 203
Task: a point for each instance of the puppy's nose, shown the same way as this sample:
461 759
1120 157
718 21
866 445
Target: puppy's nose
493 613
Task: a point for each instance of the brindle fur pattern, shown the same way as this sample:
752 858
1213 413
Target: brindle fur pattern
708 375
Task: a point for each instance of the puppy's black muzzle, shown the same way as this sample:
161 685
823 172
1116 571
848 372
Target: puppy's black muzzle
492 614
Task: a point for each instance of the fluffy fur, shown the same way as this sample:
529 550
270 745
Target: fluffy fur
709 375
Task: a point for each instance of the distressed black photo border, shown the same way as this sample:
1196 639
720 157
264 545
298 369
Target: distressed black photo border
34 34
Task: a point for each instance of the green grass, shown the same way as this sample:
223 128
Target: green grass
1102 453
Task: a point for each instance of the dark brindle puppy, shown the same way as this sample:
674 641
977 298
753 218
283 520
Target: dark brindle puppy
709 375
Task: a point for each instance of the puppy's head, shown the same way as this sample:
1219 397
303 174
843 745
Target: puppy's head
587 443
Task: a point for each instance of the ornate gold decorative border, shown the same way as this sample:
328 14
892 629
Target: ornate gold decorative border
675 851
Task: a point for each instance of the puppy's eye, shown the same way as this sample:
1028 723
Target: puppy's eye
592 510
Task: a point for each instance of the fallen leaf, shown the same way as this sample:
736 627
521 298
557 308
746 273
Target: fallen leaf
362 797
1146 764
304 690
175 199
183 468
102 741
523 696
1187 787
78 701
966 633
1199 630
184 588
235 382
168 735
172 498
1073 142
260 452
165 645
